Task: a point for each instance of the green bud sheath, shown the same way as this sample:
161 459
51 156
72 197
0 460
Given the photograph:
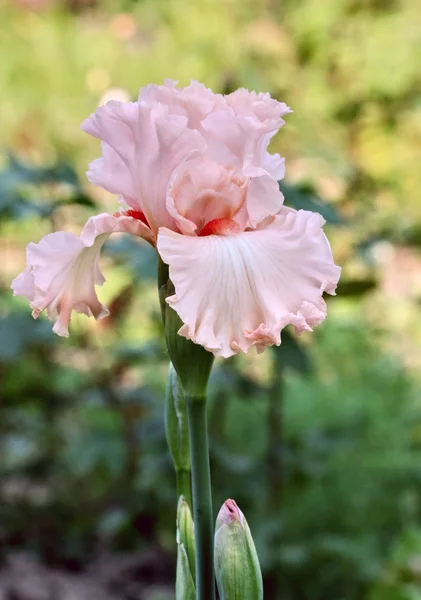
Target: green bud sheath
185 531
191 361
185 588
237 568
177 432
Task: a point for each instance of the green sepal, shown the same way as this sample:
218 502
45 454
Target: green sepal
191 361
185 587
176 424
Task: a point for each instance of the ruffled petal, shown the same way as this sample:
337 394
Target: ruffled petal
260 107
115 124
195 101
143 145
205 191
62 270
264 197
242 142
111 173
237 291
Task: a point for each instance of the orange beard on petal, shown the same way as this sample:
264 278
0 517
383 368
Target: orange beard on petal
220 227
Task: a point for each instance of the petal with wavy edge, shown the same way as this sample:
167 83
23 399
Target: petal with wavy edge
242 142
195 101
204 191
143 146
62 270
237 291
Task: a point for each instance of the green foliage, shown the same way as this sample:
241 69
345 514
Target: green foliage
20 182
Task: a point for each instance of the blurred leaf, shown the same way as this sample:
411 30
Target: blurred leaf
291 354
304 198
17 179
18 331
139 255
80 199
355 287
132 354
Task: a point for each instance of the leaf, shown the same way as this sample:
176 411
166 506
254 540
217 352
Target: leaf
20 330
304 198
355 287
17 178
291 354
140 256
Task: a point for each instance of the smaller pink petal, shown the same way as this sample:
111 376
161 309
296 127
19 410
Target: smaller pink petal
264 197
62 270
205 191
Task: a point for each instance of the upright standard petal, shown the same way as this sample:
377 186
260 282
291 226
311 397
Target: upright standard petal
259 106
62 269
195 101
244 128
237 291
242 141
115 124
142 145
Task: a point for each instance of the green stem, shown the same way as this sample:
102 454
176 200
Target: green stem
184 485
202 498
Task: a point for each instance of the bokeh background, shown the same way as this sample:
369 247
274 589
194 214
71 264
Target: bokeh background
319 441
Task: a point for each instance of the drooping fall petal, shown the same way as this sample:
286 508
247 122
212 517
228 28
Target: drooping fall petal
62 270
237 291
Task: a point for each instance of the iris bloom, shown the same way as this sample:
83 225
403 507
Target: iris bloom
195 179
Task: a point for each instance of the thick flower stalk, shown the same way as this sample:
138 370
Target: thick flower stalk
195 179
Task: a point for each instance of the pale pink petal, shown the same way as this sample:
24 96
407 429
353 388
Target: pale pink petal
274 164
143 146
115 124
264 197
168 142
112 174
244 135
236 291
205 191
257 106
242 141
195 101
62 270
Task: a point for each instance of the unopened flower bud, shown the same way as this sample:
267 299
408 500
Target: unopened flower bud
237 568
185 588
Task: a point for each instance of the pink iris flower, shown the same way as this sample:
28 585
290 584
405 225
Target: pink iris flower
195 179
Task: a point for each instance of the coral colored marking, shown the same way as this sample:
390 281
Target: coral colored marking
135 214
220 227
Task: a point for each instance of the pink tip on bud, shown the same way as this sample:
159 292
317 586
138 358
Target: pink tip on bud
230 512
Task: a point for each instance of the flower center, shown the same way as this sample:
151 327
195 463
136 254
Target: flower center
220 227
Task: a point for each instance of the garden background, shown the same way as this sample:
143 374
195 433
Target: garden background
319 441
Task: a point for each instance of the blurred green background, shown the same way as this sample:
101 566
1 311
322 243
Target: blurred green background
319 441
